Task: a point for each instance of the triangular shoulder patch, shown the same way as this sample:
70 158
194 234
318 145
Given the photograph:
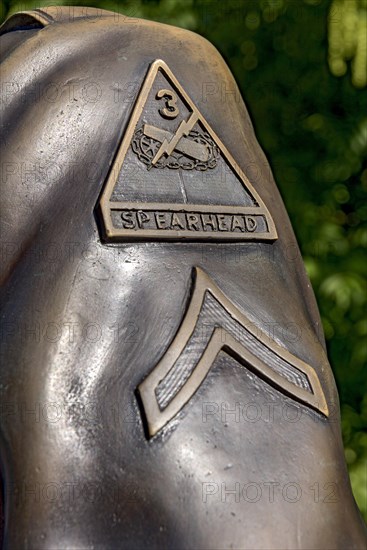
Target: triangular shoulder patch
173 178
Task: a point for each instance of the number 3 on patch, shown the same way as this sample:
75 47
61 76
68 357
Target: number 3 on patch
171 110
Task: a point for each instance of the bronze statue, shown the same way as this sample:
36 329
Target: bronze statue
164 381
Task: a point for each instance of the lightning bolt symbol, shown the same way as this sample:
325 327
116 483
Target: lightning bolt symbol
183 130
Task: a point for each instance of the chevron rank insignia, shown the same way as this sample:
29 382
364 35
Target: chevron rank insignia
173 178
187 361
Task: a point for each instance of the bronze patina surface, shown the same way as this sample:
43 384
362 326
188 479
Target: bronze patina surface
164 380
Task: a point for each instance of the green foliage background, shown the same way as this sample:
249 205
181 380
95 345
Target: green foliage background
301 67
